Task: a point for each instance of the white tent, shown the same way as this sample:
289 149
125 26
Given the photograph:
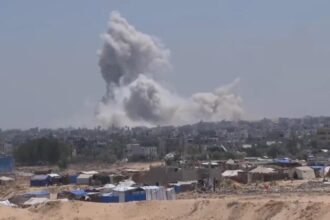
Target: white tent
170 194
231 173
264 170
155 192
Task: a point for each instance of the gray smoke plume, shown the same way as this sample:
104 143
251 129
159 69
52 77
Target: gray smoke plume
129 61
126 53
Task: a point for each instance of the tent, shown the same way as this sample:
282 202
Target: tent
127 194
109 198
170 194
35 201
76 194
84 179
40 180
263 170
231 173
107 188
38 194
155 192
4 180
303 172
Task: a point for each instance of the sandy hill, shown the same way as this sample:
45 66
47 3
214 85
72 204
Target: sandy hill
231 208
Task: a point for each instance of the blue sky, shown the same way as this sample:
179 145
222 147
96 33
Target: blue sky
279 49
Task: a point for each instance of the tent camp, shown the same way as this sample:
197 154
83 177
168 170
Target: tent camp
303 172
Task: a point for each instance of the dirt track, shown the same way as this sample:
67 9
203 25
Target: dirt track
231 208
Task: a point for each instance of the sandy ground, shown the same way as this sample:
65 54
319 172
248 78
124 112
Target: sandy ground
229 207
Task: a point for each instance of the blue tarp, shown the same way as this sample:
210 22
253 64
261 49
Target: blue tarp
78 192
177 188
135 197
138 195
73 179
109 198
283 161
317 167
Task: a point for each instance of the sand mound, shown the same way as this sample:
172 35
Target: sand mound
229 208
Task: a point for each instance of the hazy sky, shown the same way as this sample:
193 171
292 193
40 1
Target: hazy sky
49 74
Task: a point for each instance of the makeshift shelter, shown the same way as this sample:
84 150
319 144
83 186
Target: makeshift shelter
127 194
7 203
38 194
40 180
100 179
263 174
303 172
22 198
126 183
155 192
170 194
84 179
76 194
264 170
54 178
231 173
73 179
109 198
184 186
35 201
4 180
107 188
93 172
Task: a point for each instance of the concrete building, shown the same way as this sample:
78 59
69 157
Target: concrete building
135 150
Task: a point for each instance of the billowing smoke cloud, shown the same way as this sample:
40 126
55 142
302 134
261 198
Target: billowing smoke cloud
129 62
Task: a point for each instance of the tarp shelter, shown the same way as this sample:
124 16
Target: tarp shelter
155 192
231 173
126 183
40 180
107 188
4 180
184 186
100 179
263 170
170 194
73 179
76 194
7 203
38 194
90 172
35 201
127 194
109 198
84 179
54 178
303 172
